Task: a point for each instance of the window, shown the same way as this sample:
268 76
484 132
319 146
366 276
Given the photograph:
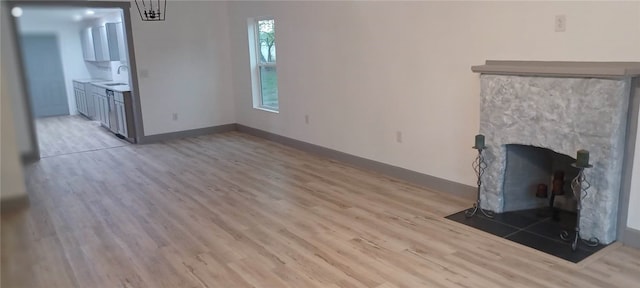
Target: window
264 76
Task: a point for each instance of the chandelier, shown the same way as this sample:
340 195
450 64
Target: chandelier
152 10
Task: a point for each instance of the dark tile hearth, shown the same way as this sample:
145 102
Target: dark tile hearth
536 228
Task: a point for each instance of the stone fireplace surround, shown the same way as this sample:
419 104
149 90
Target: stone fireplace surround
563 107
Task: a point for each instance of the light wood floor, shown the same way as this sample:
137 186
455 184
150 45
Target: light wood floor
73 134
231 210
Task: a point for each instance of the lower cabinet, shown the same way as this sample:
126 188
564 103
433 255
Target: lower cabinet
76 92
90 102
85 94
123 106
93 102
96 106
83 101
99 103
104 108
81 98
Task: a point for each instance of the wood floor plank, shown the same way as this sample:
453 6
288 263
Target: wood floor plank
72 134
232 210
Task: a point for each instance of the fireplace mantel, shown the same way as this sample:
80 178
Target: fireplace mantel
560 69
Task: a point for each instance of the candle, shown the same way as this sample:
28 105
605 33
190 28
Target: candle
479 141
582 158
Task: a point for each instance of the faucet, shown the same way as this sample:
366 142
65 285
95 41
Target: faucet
122 66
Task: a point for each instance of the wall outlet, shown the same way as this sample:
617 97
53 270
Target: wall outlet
175 117
560 23
399 136
306 119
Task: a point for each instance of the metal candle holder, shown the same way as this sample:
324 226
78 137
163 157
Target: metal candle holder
479 165
579 186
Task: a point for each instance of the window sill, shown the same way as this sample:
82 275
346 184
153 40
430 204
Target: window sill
267 109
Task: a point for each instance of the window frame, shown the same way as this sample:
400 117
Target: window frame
256 64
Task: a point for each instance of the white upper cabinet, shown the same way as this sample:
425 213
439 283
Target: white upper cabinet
122 46
100 43
104 43
88 51
115 37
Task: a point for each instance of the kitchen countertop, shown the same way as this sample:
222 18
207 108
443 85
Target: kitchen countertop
102 82
118 88
90 80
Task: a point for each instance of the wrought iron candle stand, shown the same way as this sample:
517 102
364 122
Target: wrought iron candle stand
479 165
579 186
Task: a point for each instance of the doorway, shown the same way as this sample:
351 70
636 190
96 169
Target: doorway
43 67
74 54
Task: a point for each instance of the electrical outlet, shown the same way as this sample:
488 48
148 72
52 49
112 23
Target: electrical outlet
561 23
306 119
175 117
399 136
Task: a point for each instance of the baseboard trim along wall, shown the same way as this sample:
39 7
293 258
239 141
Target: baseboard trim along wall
14 203
30 157
187 133
428 181
631 238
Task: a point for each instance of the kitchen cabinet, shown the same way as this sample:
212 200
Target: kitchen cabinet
121 114
109 105
94 98
81 98
101 109
79 105
90 101
76 93
100 43
101 105
99 116
104 43
104 111
88 51
115 40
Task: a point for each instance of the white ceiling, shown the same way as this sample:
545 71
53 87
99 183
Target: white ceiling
67 14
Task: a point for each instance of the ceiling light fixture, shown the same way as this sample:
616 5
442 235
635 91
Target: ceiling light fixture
90 12
16 11
152 10
77 17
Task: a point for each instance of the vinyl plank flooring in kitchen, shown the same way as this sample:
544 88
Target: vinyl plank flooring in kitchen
72 134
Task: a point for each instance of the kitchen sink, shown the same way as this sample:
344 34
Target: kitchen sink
115 84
